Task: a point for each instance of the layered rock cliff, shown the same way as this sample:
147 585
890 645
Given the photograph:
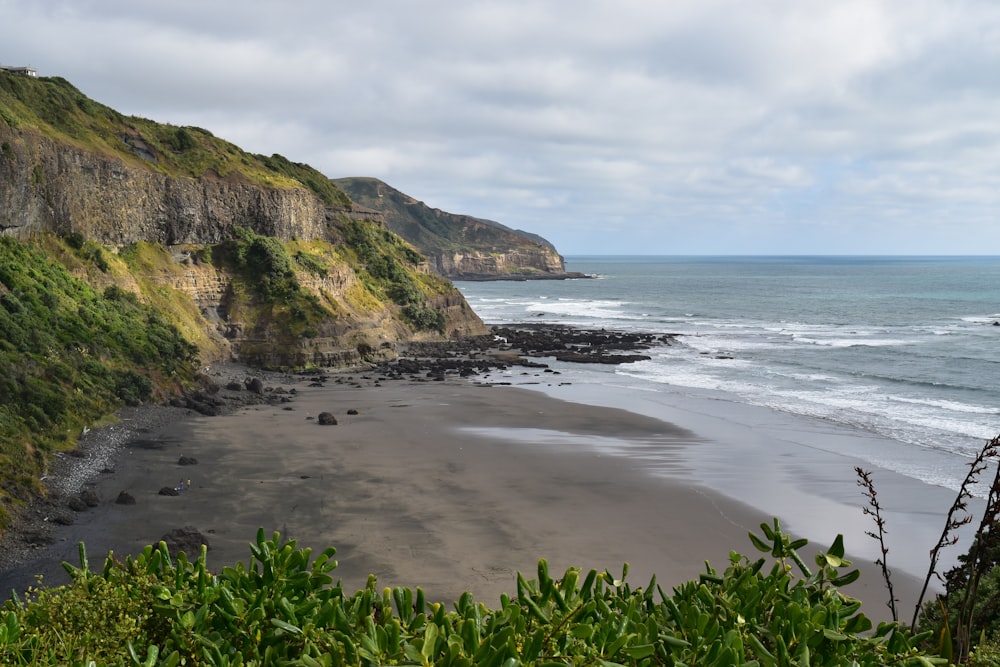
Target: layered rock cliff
459 247
54 186
193 223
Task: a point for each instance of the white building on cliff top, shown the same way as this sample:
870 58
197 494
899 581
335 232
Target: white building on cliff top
26 71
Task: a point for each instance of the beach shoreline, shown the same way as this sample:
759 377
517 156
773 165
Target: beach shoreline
451 485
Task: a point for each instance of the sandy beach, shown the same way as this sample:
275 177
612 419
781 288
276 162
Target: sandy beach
450 486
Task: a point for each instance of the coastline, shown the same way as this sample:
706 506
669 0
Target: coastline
452 486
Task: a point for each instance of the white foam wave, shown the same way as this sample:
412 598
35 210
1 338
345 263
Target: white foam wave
854 342
954 406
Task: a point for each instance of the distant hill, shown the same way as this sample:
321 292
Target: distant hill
459 247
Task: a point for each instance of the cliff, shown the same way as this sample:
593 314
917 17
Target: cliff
459 247
75 169
132 251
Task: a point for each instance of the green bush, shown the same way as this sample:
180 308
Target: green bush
424 318
283 608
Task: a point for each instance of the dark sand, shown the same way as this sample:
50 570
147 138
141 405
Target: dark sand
443 485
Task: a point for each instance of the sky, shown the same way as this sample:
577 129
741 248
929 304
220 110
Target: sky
664 127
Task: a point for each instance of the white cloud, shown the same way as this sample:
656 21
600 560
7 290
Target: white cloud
707 126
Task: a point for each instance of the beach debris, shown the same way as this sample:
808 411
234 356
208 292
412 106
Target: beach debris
125 498
327 419
187 539
187 461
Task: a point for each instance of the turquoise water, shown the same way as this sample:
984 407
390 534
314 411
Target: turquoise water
902 349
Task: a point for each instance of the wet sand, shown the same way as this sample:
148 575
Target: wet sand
449 486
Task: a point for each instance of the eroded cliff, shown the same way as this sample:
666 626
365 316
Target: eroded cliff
459 247
178 206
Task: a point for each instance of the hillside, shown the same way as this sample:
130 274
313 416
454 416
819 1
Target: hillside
133 250
459 247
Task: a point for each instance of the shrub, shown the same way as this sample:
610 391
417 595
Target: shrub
283 607
424 318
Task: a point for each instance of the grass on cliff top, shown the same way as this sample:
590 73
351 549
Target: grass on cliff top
55 108
70 354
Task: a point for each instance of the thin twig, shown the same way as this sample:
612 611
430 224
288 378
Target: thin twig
874 510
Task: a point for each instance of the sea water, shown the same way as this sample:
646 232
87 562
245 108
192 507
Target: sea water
903 352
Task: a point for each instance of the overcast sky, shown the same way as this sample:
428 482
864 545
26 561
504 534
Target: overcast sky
619 126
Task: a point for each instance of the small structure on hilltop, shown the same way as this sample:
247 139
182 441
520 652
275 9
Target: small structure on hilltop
24 71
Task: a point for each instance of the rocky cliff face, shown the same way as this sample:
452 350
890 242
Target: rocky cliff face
53 186
516 263
459 247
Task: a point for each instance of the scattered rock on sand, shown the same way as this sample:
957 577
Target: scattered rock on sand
76 504
90 497
187 461
186 539
63 518
327 419
169 491
125 498
255 385
352 411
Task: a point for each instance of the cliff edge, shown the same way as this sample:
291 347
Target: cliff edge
459 247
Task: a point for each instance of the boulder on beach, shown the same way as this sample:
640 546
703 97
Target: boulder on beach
90 497
327 419
255 385
169 491
187 539
125 498
187 461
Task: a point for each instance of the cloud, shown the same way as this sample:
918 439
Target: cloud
701 126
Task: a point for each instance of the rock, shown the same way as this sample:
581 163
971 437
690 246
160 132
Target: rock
125 498
63 518
186 539
169 491
187 461
90 497
76 504
327 419
352 411
234 386
255 385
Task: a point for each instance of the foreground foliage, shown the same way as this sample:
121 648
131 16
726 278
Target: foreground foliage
283 608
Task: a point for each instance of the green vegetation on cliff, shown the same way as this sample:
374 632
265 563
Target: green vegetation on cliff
55 108
69 355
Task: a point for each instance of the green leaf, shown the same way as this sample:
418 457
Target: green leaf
430 641
287 627
837 548
758 543
641 651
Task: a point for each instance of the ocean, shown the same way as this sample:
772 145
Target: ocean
893 362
